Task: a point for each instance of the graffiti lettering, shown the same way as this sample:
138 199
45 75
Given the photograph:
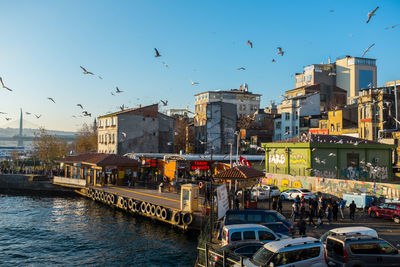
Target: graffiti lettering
325 173
353 173
277 159
379 172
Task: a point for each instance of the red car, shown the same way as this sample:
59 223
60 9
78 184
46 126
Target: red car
387 211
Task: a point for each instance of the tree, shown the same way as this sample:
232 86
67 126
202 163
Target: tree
86 141
48 148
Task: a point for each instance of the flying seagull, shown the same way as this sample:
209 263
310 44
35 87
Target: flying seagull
112 94
122 107
7 119
193 83
332 74
123 134
51 99
101 78
250 43
165 64
79 105
117 90
2 84
165 103
273 60
331 10
27 113
157 53
280 52
391 27
371 14
85 113
37 116
366 50
241 68
85 71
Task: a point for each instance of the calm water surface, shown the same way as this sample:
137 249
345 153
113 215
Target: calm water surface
76 231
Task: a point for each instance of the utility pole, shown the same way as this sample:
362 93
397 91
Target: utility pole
230 155
237 147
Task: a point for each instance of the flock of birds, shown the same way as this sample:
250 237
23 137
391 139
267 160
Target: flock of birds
85 113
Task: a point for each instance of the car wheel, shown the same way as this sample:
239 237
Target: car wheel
396 219
373 214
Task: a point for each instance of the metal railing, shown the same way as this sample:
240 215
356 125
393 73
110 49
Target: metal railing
225 259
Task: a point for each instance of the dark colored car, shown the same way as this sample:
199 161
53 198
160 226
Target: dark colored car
360 250
255 216
279 228
387 211
233 251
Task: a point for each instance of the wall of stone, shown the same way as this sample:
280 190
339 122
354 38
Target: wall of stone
335 187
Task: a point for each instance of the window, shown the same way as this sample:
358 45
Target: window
324 125
107 122
287 130
278 125
236 218
338 127
332 127
247 251
236 236
254 218
308 78
297 130
101 123
287 116
249 235
385 248
352 160
269 218
364 248
114 120
265 235
296 114
334 248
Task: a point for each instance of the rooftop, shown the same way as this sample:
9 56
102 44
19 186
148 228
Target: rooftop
101 159
333 139
240 172
277 245
147 111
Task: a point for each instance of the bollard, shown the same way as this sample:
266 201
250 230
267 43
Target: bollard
241 261
223 259
206 251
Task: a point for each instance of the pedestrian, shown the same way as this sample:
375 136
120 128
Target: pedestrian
342 205
297 199
302 225
237 202
279 205
352 210
302 208
335 210
274 204
295 211
330 212
321 215
310 218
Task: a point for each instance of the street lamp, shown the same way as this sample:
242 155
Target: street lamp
237 145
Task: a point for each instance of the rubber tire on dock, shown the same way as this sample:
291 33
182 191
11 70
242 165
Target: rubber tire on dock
187 218
143 207
102 196
164 214
112 199
138 204
176 217
148 208
96 195
133 209
158 211
93 196
125 204
130 203
108 199
153 210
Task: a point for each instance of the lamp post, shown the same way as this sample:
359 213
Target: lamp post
230 154
237 146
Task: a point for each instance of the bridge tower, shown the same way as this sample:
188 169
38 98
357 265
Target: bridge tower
20 138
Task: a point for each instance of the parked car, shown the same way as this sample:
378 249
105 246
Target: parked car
273 190
387 211
352 230
279 228
233 251
240 232
360 250
299 252
259 193
255 216
291 194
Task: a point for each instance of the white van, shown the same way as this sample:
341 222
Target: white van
353 230
239 232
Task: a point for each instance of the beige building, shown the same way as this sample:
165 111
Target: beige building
246 102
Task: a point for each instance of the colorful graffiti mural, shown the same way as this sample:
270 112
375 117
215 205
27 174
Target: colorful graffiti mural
324 173
277 159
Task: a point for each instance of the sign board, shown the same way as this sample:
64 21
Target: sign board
200 165
223 201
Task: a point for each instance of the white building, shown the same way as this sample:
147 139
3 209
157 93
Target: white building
291 110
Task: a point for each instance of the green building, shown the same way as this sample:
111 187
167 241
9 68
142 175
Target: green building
330 156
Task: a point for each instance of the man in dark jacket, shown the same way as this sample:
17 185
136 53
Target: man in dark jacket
302 225
352 210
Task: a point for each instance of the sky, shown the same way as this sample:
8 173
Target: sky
43 43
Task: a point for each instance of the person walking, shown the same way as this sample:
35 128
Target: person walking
335 210
321 215
352 210
342 206
330 212
295 211
274 204
310 217
302 225
279 205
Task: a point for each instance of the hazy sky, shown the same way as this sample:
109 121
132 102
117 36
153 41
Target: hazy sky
43 43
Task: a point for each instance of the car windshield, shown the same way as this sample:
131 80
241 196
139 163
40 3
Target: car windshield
305 190
262 256
280 217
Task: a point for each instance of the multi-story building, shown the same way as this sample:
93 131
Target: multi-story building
377 112
216 134
246 102
136 130
349 73
291 110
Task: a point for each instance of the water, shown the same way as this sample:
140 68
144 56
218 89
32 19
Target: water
77 231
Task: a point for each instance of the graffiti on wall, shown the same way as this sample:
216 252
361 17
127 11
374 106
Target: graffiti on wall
297 159
277 159
375 173
354 173
379 173
324 173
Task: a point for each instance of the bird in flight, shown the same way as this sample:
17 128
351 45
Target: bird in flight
79 105
241 68
118 91
165 103
123 134
366 50
101 78
391 27
273 60
250 43
85 113
122 107
1 112
112 94
27 113
332 74
157 53
280 52
7 119
37 116
331 10
165 64
193 83
3 85
85 71
371 14
51 99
